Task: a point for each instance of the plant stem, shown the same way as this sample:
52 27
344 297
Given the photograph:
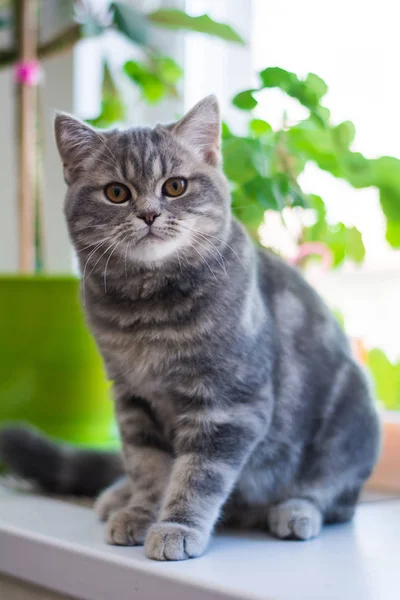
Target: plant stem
26 36
62 42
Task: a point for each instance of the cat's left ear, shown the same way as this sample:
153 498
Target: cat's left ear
200 129
75 142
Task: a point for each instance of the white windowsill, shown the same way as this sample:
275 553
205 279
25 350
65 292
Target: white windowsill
60 546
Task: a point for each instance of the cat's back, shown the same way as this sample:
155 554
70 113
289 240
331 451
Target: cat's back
302 319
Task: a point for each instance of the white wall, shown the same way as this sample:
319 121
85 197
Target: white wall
215 66
57 94
8 193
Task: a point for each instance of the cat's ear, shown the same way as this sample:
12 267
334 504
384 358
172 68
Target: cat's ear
75 142
200 128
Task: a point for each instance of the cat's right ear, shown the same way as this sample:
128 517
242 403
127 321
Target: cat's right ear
75 141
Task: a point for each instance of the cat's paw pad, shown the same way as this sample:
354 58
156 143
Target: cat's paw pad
109 501
127 527
172 541
295 519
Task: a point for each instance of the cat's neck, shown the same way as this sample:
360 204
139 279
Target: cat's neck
141 282
131 280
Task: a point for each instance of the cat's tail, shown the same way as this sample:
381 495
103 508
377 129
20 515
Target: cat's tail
57 468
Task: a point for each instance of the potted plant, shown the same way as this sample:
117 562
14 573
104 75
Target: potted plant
264 167
51 374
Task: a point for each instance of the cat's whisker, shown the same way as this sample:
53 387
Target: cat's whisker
101 227
100 257
89 246
108 260
204 239
218 239
205 260
179 260
86 265
208 235
126 256
215 257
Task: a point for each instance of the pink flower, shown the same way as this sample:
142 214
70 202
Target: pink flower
314 248
27 72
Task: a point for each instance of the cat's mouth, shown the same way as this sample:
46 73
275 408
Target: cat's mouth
151 235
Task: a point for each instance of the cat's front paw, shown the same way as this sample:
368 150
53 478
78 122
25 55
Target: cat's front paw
295 519
128 527
112 499
172 541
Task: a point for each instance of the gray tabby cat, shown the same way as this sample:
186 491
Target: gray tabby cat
236 393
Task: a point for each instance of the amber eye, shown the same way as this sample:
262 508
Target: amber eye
117 193
174 187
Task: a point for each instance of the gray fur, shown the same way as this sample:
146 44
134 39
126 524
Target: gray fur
57 468
236 393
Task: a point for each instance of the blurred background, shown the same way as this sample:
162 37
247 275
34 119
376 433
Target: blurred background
309 94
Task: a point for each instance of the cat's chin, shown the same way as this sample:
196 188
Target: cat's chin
153 249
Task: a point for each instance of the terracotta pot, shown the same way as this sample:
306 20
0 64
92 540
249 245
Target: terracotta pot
386 476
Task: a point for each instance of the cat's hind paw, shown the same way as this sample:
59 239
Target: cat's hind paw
113 498
295 519
128 527
172 541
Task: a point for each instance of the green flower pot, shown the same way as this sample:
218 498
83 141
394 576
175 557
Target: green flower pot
51 374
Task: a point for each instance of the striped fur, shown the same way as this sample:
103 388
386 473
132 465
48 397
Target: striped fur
236 394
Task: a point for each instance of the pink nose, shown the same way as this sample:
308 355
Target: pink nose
148 217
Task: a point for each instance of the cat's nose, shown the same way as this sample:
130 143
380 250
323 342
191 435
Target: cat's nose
148 217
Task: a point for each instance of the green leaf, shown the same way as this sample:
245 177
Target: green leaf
130 22
386 172
259 127
244 159
298 198
393 233
318 205
112 106
245 100
248 210
315 144
316 85
343 135
157 79
390 202
307 92
168 70
172 18
317 114
357 169
344 242
281 187
277 77
386 376
355 249
261 189
153 90
225 131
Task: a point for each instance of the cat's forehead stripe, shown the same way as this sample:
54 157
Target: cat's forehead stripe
141 153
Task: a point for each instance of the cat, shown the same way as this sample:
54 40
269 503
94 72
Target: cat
236 394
